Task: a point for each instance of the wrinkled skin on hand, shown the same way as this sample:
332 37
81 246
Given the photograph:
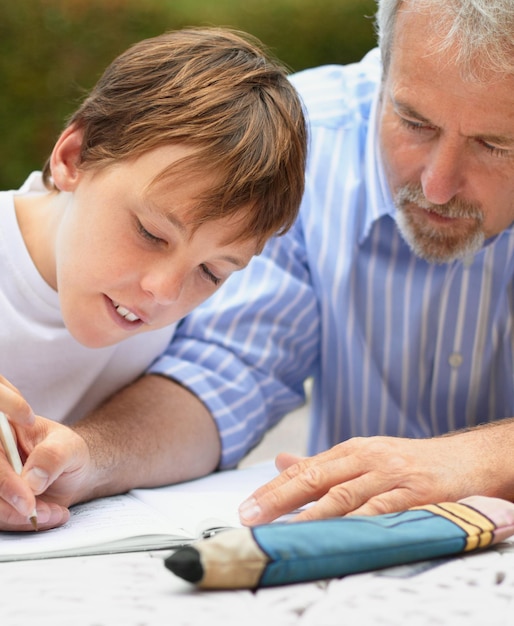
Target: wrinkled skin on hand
376 475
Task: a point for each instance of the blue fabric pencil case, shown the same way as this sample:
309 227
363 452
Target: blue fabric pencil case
284 553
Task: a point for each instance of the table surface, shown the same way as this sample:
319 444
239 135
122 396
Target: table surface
135 589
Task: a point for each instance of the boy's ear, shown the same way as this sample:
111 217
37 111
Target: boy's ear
65 159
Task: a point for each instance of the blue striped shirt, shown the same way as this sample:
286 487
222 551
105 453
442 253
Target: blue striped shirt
395 345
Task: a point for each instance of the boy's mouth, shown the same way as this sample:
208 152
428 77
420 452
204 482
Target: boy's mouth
125 313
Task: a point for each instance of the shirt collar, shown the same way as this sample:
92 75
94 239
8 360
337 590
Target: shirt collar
379 201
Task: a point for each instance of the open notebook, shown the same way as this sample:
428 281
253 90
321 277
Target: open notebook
143 519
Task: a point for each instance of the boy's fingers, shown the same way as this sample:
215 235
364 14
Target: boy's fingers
49 515
14 491
14 404
61 454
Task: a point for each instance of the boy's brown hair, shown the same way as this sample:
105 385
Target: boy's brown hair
218 91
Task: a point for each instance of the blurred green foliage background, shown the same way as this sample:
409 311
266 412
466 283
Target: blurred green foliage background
53 51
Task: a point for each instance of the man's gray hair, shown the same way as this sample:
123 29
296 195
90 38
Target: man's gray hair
479 33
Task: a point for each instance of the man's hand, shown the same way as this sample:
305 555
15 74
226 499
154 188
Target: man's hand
376 475
56 466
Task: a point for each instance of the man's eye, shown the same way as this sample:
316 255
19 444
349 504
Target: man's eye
412 125
495 151
209 275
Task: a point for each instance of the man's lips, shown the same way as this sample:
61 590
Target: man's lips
435 216
438 217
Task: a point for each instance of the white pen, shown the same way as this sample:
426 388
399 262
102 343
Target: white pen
11 449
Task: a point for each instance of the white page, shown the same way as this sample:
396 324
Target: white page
209 501
94 527
211 498
155 518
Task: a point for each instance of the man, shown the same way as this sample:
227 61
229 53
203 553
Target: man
392 291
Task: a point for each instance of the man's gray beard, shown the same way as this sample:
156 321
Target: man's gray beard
430 245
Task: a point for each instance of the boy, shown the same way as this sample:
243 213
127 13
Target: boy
185 158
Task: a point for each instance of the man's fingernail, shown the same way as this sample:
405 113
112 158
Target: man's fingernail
37 479
249 510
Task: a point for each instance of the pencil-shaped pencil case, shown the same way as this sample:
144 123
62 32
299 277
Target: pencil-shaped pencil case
283 553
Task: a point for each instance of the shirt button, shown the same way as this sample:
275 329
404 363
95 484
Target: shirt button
455 359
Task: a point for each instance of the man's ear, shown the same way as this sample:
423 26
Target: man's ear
65 159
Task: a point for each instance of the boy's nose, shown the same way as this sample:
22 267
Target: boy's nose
165 287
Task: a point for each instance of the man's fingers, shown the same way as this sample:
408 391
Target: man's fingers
298 485
362 496
357 475
277 497
340 500
285 460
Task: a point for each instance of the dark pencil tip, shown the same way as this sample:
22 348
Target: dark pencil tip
186 564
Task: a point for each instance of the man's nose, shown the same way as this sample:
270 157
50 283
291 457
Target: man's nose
443 175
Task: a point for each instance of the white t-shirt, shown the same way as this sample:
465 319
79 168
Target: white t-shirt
61 379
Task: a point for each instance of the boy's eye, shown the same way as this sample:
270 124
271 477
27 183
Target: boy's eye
146 234
208 274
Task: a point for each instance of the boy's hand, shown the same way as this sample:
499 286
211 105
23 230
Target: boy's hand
13 404
56 466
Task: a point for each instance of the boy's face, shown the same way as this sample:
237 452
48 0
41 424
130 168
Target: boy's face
126 259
